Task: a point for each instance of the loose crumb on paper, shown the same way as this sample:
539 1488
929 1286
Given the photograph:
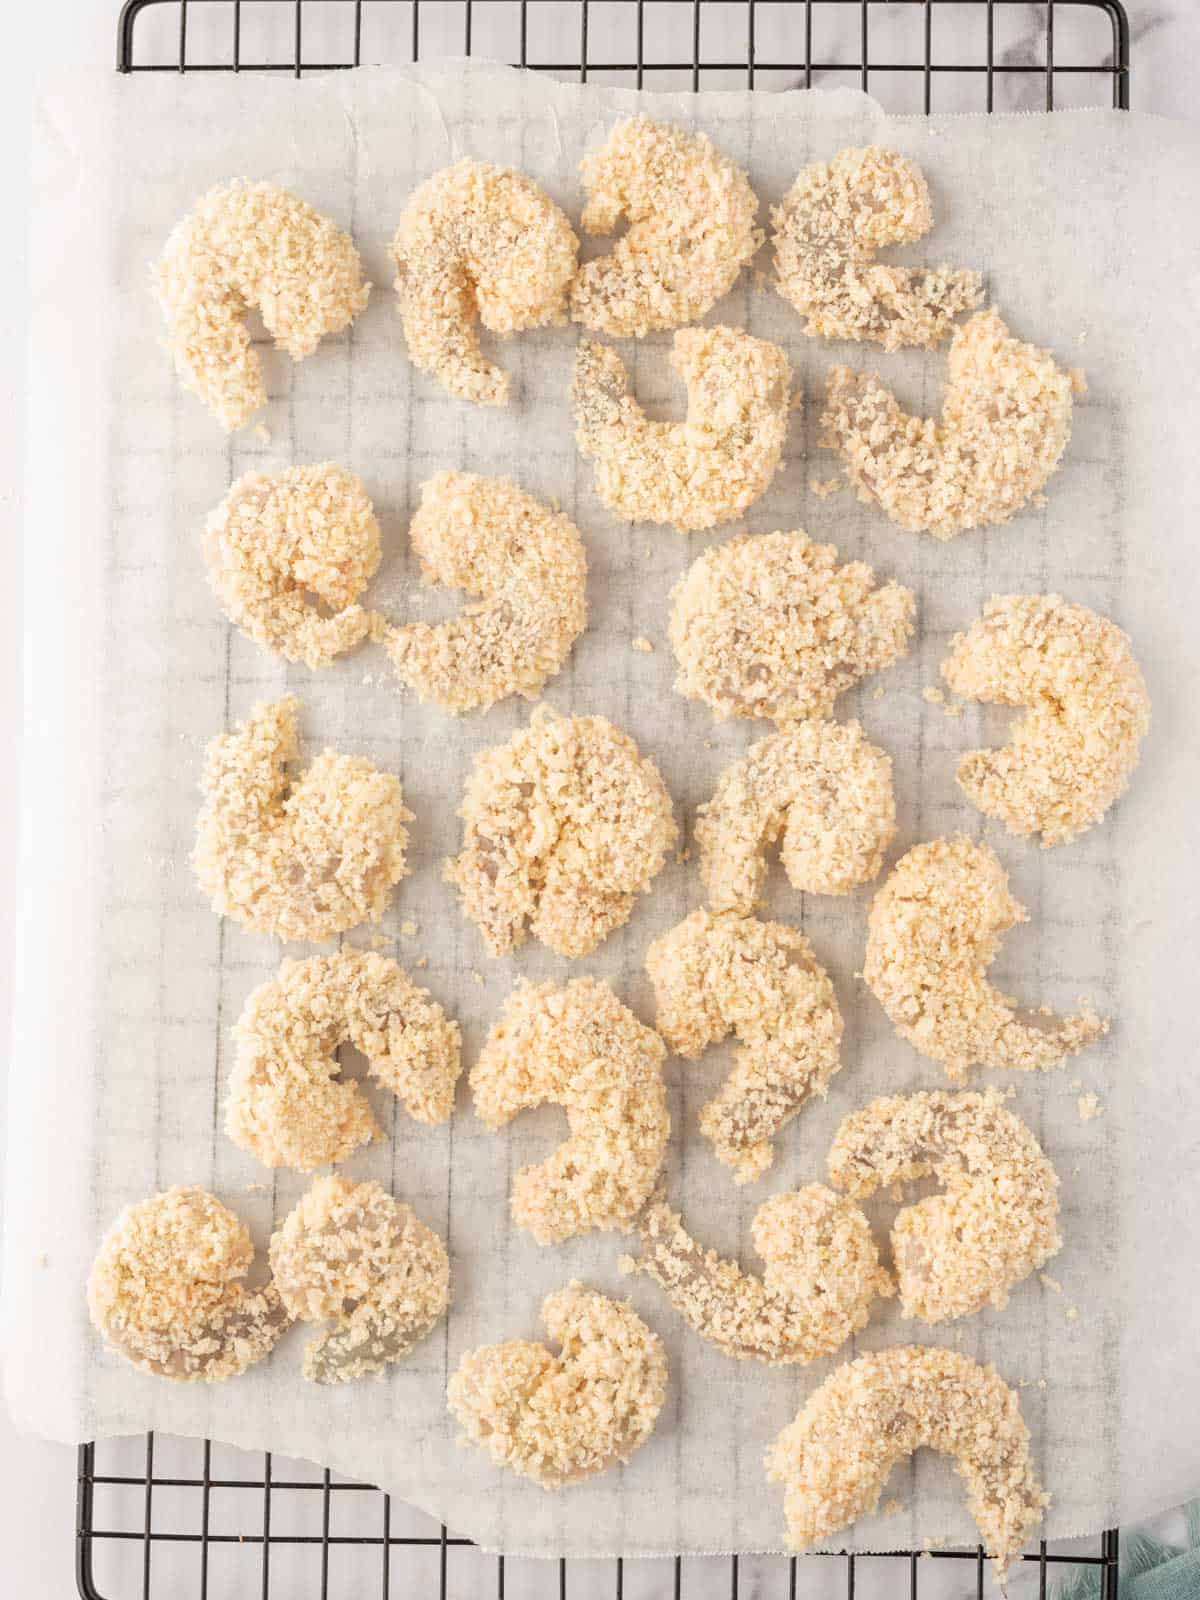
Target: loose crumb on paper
1050 1283
932 696
643 644
824 487
1090 1107
409 929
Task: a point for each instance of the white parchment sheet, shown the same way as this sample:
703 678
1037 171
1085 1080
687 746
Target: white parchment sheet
1085 225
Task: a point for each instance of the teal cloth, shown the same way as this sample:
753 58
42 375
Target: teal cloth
1178 1579
1150 1568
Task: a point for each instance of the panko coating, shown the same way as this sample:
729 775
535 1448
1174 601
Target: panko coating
823 789
560 1419
834 219
821 1277
691 228
289 553
995 1222
1006 420
933 930
564 826
578 1047
351 1255
700 472
165 1290
287 1104
723 974
873 1413
250 245
297 858
1071 756
482 242
770 625
527 568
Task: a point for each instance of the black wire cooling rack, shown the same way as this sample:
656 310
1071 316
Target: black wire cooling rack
1029 53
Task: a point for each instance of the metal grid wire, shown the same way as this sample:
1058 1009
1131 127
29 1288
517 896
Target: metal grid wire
127 1501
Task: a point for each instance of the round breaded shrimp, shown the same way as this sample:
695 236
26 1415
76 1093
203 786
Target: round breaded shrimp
1071 756
252 244
287 1104
351 1255
933 930
289 553
486 242
300 858
527 566
691 228
821 1276
833 220
769 625
560 1419
871 1414
165 1290
1006 420
822 788
717 975
578 1047
697 473
997 1220
564 826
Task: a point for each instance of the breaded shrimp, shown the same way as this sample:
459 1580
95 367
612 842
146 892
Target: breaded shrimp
243 245
933 930
769 625
564 826
870 1414
578 1047
303 858
834 219
289 553
351 1255
287 1104
691 228
1006 420
716 975
1072 755
486 242
165 1290
560 1419
526 566
997 1220
822 788
822 1274
697 473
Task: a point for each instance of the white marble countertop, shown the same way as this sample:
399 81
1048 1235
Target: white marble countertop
37 1479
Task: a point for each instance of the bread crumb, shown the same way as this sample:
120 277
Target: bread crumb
261 431
893 1507
824 487
1050 1283
643 644
932 696
1072 1313
1090 1107
408 929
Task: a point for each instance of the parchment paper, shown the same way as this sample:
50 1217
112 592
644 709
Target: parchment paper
1085 224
